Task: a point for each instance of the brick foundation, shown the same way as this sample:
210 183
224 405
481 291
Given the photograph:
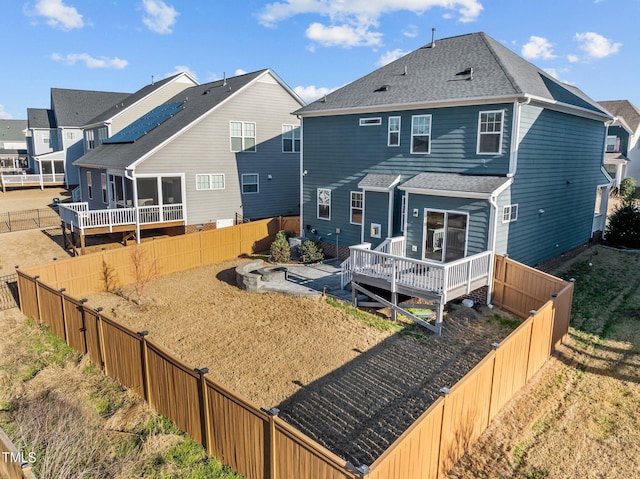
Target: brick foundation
479 296
329 250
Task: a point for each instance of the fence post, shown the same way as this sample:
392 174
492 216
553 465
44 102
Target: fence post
83 329
9 217
144 352
35 278
101 348
271 451
205 414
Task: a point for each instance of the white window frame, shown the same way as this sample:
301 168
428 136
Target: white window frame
243 136
375 230
372 121
103 186
103 134
210 181
46 138
89 185
244 183
70 135
481 133
390 131
356 208
615 144
90 142
294 132
323 198
414 134
510 213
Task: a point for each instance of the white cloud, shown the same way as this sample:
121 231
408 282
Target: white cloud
573 58
411 31
538 47
552 71
89 61
57 14
342 35
3 114
595 45
390 56
311 93
179 69
351 22
160 17
240 71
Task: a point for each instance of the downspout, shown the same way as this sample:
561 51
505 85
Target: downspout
390 214
132 177
493 232
302 173
515 136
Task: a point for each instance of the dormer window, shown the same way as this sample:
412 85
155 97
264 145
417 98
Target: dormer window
613 144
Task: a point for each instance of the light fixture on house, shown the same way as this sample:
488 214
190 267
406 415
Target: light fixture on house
269 177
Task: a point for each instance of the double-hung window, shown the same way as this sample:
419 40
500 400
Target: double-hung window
421 134
89 186
210 182
102 135
89 140
103 185
490 132
290 138
509 213
357 203
243 135
324 203
250 183
393 138
613 144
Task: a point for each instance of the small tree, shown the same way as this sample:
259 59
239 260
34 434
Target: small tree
623 227
628 187
280 249
311 252
143 271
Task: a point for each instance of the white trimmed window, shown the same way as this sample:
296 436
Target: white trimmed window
324 203
357 203
89 140
89 186
376 121
70 135
509 213
102 135
210 182
290 138
490 132
243 135
421 134
393 138
46 138
250 183
613 144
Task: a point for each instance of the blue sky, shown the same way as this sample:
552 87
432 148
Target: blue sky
315 46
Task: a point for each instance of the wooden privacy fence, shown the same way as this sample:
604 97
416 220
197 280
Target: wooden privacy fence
258 444
14 464
109 269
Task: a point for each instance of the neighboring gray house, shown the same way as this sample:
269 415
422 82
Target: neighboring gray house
622 157
55 134
211 155
458 150
13 145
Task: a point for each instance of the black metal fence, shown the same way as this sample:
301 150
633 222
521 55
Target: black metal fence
28 220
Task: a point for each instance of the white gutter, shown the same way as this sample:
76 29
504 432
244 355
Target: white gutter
515 136
493 232
302 175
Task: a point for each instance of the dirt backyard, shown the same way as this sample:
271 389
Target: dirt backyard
350 386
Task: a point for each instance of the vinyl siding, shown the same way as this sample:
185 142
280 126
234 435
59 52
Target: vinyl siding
338 153
204 148
623 135
478 227
96 202
376 210
558 172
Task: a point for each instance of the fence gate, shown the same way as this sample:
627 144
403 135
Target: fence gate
8 292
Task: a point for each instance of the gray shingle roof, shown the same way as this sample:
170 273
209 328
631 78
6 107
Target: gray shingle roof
40 118
130 100
452 183
443 73
199 100
625 109
12 130
77 107
378 181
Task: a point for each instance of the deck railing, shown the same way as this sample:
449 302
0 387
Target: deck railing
78 215
439 278
30 180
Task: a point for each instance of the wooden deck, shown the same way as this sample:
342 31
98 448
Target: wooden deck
78 219
429 280
31 181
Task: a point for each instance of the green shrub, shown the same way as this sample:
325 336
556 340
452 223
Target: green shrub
623 228
628 187
311 252
280 249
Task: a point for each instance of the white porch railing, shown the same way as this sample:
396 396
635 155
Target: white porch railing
395 246
30 180
439 278
78 215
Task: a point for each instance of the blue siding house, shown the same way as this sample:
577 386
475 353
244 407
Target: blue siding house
433 163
